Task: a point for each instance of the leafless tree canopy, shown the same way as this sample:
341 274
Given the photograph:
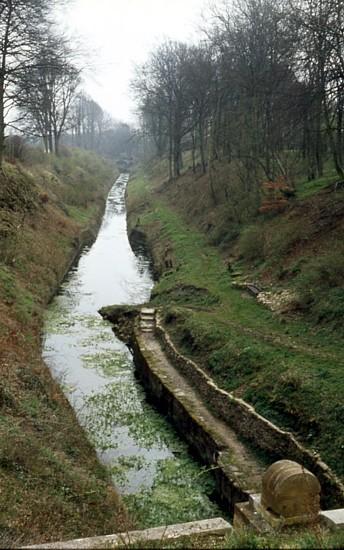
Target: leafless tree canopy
40 81
268 77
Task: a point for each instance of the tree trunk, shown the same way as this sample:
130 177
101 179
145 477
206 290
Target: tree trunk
336 157
193 151
3 68
319 144
46 144
211 165
176 157
57 136
339 144
170 158
2 125
176 147
201 144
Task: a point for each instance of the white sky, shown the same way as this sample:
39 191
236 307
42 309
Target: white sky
119 34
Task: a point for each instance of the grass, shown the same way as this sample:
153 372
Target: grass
290 371
82 215
306 189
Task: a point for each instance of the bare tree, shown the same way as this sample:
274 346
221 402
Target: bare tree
162 88
321 55
87 121
21 27
46 89
264 87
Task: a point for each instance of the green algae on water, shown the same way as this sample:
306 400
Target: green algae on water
180 488
179 494
107 363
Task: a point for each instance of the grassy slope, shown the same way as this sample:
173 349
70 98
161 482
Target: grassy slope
51 485
289 369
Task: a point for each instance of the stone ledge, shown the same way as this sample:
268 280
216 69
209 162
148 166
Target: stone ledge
215 527
333 518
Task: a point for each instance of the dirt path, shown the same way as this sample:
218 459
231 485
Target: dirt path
246 467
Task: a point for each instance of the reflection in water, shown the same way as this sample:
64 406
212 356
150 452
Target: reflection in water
148 461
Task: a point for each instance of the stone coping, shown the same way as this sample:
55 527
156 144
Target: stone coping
215 527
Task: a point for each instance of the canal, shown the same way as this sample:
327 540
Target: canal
151 467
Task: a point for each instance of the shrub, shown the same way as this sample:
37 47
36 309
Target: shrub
252 243
225 234
286 236
320 285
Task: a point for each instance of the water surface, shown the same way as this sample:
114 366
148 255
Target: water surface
149 463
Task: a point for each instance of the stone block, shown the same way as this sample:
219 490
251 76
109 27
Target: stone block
148 311
214 527
333 518
246 516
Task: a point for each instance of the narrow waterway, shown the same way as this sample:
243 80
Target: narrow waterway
150 465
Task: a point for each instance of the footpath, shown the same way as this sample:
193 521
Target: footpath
238 470
244 464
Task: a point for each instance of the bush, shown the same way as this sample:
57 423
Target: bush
252 243
285 237
225 234
329 307
320 285
35 155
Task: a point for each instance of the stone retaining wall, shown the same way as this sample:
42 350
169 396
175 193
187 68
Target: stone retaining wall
253 427
202 439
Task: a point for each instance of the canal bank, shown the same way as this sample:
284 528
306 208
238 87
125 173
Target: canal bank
158 480
274 364
51 483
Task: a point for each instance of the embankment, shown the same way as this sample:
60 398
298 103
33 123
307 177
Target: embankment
285 367
252 427
52 486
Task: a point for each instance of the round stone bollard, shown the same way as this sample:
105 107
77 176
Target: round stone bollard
290 491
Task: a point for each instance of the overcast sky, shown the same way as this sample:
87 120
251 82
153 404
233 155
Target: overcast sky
119 34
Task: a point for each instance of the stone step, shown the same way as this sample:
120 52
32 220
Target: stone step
334 519
148 311
146 325
148 317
